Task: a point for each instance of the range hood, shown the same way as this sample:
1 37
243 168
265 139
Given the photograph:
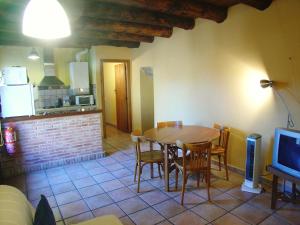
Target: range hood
50 80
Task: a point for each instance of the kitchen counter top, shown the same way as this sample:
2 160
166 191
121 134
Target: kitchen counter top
52 114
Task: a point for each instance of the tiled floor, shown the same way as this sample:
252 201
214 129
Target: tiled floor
85 190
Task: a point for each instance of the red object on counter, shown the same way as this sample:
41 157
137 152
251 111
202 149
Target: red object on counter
10 139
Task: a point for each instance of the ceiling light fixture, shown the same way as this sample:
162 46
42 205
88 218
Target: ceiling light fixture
45 19
33 55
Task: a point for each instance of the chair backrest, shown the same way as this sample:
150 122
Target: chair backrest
224 137
199 156
219 127
137 137
169 124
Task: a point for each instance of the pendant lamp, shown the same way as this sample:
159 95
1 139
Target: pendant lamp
45 19
33 55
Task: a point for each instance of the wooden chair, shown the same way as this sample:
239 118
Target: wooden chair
198 161
169 124
220 149
145 157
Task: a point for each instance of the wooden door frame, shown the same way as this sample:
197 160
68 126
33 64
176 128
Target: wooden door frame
128 87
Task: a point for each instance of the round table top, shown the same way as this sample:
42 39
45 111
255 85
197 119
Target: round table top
186 134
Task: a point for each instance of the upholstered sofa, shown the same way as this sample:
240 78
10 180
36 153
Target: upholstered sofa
15 209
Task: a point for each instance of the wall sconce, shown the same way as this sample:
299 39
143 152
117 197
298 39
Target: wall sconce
266 83
270 83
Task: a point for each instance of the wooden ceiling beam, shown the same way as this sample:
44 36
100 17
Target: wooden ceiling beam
126 27
13 39
186 8
114 36
258 4
128 14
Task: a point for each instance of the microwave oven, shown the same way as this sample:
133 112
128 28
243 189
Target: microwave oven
84 100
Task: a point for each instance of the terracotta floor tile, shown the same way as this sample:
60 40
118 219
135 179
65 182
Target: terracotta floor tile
208 211
111 185
107 161
146 217
114 167
74 208
126 221
239 194
56 214
223 185
226 201
84 182
55 172
190 199
98 201
290 212
100 178
33 185
275 220
250 214
121 173
36 194
127 180
202 191
78 174
90 164
112 209
229 219
165 222
189 218
79 218
63 187
169 208
121 194
97 170
51 200
154 197
144 187
58 179
263 201
67 197
132 205
90 191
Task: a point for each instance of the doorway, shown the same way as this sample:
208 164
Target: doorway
116 95
147 98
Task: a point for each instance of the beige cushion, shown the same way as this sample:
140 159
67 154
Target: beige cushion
14 207
105 220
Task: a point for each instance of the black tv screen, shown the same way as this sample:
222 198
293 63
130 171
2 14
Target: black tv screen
289 152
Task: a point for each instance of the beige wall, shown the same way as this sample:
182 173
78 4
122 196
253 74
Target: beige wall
147 98
109 93
17 56
211 74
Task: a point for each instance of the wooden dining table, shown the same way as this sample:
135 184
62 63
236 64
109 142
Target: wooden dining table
168 136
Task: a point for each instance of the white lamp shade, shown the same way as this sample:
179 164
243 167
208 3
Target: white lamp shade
45 19
33 55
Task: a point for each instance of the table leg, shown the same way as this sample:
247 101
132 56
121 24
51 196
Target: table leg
274 192
151 164
166 167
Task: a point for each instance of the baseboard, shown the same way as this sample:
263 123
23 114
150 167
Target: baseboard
262 179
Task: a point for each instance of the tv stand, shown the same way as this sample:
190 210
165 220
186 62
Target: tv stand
293 197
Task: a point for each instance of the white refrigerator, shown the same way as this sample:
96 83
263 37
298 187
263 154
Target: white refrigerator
17 100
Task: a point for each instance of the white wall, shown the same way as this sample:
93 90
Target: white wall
211 74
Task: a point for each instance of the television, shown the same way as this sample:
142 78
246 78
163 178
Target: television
286 152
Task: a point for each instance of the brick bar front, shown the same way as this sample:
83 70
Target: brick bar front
45 142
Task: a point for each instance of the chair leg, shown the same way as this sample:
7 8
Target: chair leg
208 184
135 170
219 156
226 167
183 187
139 177
158 166
198 180
176 178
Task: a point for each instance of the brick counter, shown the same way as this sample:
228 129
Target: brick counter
49 142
